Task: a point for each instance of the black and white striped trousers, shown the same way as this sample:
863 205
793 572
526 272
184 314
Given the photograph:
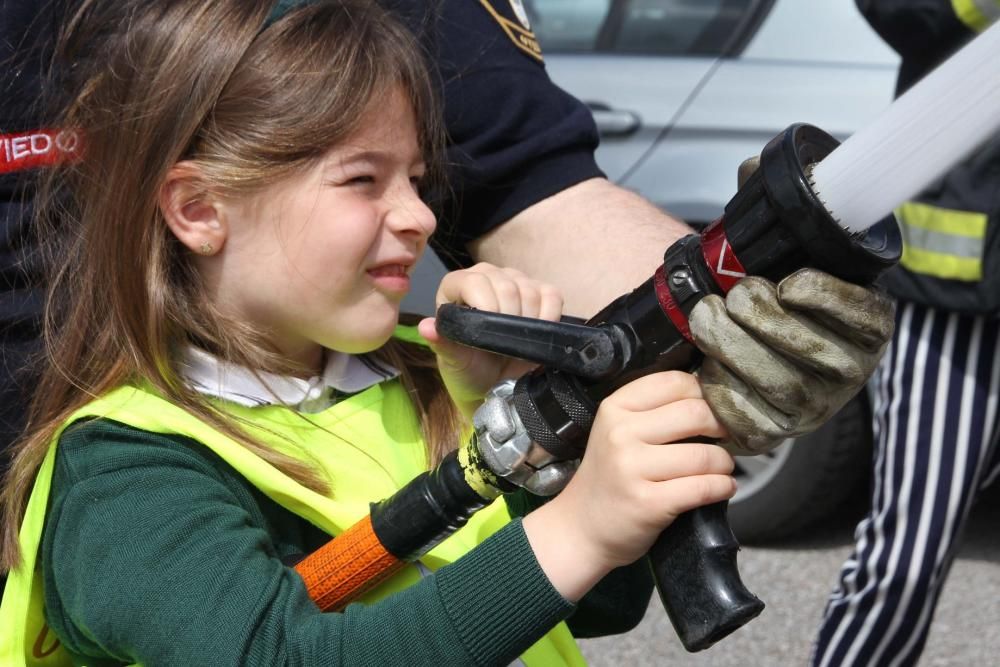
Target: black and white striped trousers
935 407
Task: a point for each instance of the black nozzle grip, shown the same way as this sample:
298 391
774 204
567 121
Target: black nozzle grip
694 565
593 352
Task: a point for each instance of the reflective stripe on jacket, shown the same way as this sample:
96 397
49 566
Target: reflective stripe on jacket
977 14
951 240
942 242
389 461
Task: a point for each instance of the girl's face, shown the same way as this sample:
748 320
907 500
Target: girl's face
322 259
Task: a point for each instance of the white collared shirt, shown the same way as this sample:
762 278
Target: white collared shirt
343 374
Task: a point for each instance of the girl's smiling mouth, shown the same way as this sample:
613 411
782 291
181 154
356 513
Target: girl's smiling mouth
391 277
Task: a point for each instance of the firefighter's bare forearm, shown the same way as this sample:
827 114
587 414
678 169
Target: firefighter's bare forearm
595 241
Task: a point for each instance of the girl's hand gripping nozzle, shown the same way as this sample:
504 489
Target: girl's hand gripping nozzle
773 226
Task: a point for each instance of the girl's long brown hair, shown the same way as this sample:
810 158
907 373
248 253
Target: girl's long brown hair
249 101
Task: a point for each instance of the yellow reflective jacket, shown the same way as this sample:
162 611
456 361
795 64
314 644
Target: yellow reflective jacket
383 413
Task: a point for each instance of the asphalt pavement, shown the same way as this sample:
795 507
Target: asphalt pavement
794 579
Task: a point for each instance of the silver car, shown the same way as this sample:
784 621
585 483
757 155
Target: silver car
683 91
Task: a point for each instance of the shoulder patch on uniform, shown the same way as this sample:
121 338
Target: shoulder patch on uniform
520 13
519 31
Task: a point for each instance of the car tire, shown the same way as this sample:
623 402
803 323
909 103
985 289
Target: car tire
804 480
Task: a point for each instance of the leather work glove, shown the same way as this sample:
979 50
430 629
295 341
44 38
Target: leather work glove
781 360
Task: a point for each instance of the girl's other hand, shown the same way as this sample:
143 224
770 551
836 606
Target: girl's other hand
631 484
469 373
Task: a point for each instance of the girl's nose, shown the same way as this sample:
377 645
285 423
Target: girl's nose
409 214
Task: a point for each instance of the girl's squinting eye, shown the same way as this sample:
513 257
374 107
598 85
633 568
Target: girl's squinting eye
418 180
364 179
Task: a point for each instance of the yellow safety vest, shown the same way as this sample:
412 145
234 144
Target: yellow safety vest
369 444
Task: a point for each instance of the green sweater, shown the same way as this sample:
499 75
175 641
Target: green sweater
156 551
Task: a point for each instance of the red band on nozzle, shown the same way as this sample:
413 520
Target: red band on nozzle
722 262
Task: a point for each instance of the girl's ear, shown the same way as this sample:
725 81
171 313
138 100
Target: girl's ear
194 215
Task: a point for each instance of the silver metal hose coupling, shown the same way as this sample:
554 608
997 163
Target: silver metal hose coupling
508 450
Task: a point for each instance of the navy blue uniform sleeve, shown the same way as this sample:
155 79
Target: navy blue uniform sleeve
923 32
28 31
515 137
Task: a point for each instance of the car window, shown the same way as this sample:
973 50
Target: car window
567 25
673 27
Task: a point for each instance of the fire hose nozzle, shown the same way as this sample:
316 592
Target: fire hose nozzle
774 225
778 223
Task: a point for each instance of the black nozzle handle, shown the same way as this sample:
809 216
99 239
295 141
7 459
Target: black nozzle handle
694 565
593 352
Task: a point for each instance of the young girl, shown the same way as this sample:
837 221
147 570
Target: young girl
224 391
